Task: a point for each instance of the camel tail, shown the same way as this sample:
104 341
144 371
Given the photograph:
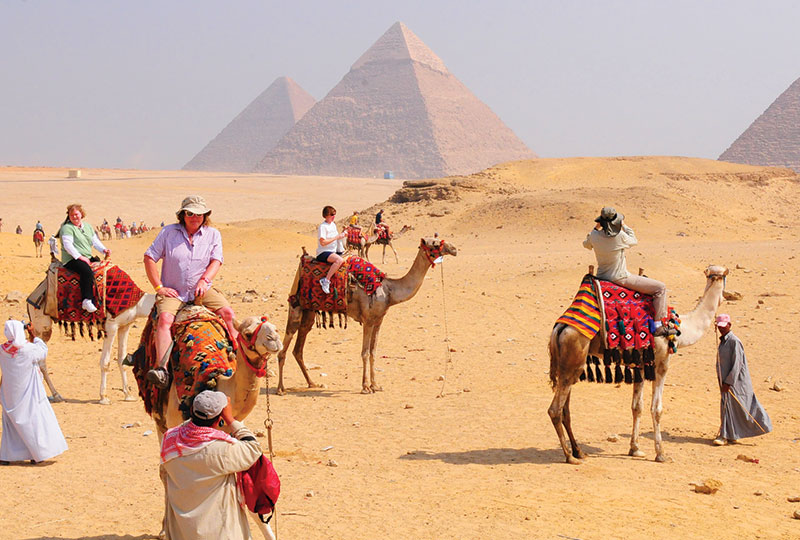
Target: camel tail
555 352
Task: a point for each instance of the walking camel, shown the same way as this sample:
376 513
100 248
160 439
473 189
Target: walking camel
118 327
38 241
569 348
367 310
375 239
258 340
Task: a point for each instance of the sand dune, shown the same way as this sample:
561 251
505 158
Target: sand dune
483 461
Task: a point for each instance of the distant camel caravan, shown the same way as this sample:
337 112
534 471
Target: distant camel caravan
367 310
569 350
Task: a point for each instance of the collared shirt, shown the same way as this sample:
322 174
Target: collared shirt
184 261
610 252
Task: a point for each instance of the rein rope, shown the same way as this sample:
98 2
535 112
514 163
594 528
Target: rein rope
268 420
448 359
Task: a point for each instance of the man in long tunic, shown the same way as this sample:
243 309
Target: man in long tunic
30 428
741 415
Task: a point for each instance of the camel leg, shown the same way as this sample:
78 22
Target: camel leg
292 324
373 347
56 397
122 350
396 260
105 362
656 409
567 422
383 255
365 348
637 404
306 324
556 412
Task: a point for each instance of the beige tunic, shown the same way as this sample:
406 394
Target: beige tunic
610 252
202 498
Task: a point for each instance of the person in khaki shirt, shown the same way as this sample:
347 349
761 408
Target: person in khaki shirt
199 461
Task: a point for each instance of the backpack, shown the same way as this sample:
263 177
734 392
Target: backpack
260 487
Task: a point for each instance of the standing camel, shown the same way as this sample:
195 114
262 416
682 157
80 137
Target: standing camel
258 340
118 326
375 239
367 310
38 241
569 348
358 246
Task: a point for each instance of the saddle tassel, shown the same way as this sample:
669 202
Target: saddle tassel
617 374
72 330
589 370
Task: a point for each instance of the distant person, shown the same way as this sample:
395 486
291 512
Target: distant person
329 247
30 428
741 415
119 220
609 239
354 219
379 217
200 459
53 241
39 226
77 240
1 224
19 229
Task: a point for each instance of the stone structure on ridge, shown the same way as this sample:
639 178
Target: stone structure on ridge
774 138
241 145
398 109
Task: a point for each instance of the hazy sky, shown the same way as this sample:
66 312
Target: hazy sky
146 84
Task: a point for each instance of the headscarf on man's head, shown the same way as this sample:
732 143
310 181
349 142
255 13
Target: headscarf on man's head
15 332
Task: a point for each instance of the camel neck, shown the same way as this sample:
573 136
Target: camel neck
695 323
404 288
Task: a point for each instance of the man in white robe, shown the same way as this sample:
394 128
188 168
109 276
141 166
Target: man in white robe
30 427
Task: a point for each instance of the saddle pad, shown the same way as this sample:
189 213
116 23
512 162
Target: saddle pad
69 298
627 316
309 292
365 273
202 353
584 312
354 235
383 232
144 359
120 291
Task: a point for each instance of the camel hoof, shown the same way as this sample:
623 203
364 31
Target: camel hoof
56 398
315 385
376 388
366 390
662 458
573 460
280 392
104 401
635 453
129 397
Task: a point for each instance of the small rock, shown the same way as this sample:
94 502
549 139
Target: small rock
740 267
758 493
499 352
147 433
681 233
612 438
760 301
466 390
708 487
793 499
732 295
440 378
452 349
260 433
796 514
408 406
411 452
309 493
332 463
748 459
778 387
356 424
248 298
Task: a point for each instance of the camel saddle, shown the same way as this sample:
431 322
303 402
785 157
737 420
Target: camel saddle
201 353
383 232
354 234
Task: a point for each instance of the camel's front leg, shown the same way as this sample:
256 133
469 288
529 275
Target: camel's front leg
122 351
556 412
306 324
56 397
396 260
383 255
373 348
105 362
637 404
365 349
655 410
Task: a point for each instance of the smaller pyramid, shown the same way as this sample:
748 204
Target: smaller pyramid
774 138
255 131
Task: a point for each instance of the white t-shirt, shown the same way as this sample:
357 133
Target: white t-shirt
327 230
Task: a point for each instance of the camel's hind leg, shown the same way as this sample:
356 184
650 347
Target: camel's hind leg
122 350
105 362
366 343
637 404
567 421
373 347
302 327
557 415
396 260
656 408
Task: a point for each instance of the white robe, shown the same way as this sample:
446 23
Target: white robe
30 428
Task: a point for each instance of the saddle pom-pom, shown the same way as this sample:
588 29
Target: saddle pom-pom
626 357
649 372
589 371
583 375
609 377
636 357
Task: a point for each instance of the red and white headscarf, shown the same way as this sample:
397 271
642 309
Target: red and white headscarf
188 439
15 332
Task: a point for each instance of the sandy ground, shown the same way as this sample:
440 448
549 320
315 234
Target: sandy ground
483 461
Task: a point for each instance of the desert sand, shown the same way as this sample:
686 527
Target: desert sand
483 461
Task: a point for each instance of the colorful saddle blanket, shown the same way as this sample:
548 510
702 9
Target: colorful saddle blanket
383 232
201 354
365 273
629 317
119 291
354 235
310 295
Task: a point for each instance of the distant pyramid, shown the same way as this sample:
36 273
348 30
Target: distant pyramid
243 142
774 138
397 109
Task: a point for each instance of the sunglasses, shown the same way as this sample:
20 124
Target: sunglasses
190 214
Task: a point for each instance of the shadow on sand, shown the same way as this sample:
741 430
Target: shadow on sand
100 537
497 456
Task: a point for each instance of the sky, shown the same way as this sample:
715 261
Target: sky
147 84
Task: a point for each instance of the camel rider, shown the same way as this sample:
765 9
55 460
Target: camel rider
354 219
192 255
329 246
39 226
77 240
609 239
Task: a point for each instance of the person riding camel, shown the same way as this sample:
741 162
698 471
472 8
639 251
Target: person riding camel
609 239
353 221
329 248
77 240
381 226
191 255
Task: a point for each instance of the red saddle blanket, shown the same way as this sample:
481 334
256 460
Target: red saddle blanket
310 295
354 235
119 291
201 354
383 232
365 273
628 317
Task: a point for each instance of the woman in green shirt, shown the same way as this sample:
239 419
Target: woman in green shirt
77 240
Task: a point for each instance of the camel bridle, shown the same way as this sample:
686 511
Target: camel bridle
251 346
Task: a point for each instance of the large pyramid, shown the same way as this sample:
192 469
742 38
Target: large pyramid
774 138
397 109
241 145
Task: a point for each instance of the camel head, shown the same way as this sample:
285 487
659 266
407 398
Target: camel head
436 247
260 338
42 324
715 273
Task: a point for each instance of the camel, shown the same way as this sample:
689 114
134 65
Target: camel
38 241
103 231
374 239
359 247
569 348
367 310
259 339
118 327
